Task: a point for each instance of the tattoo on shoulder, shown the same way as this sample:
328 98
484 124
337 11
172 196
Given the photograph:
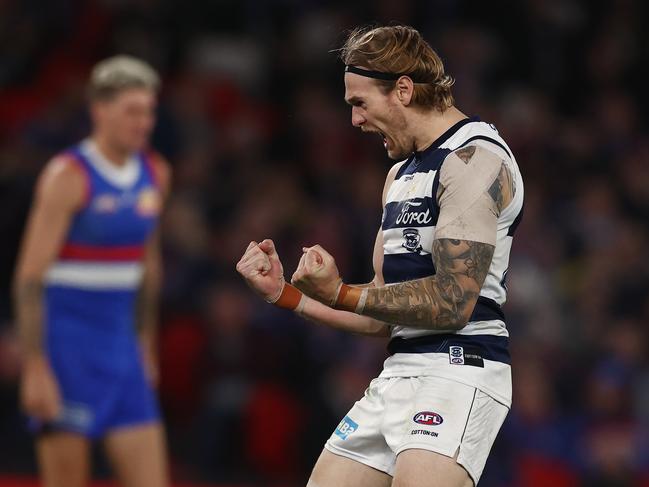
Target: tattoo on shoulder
466 153
503 188
439 302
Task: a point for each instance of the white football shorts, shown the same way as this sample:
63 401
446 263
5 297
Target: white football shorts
429 413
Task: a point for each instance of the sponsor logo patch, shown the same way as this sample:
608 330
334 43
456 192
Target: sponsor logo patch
105 203
456 355
466 355
346 427
428 418
76 415
411 214
148 202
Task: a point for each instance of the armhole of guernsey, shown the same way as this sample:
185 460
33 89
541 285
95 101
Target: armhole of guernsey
517 221
487 139
76 160
497 144
148 158
435 188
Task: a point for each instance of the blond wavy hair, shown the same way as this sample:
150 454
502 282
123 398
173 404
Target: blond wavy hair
401 49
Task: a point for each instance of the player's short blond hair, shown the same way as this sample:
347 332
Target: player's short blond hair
118 73
401 49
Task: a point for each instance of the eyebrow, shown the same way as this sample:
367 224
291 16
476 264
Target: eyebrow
353 100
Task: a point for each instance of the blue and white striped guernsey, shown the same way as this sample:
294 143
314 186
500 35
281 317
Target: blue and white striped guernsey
409 219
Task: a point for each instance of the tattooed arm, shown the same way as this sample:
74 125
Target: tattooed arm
475 185
444 301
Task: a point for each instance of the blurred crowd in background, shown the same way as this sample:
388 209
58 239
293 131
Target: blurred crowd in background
253 121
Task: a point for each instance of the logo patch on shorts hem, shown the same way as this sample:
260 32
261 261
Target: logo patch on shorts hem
346 427
428 418
75 415
464 356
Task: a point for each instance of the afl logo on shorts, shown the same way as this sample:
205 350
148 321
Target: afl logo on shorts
428 418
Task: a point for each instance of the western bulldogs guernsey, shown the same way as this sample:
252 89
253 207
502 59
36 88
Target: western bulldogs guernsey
477 354
90 296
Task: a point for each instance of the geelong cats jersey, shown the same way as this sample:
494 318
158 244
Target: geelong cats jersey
409 220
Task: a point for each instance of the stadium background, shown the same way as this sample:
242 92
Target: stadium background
252 119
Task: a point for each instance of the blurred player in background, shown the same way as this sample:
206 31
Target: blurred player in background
86 290
450 209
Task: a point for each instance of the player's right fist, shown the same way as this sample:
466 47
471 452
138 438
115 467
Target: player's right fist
262 270
317 275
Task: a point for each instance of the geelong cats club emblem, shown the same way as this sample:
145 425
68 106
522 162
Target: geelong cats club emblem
411 239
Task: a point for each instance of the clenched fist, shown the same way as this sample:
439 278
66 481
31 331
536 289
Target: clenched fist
317 275
262 270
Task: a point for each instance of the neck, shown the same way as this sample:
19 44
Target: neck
113 154
427 127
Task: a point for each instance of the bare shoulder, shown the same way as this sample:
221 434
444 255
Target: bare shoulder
469 160
161 169
63 182
475 166
392 174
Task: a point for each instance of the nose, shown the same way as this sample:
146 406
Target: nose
357 118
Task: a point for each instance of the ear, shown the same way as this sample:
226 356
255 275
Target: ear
96 108
404 90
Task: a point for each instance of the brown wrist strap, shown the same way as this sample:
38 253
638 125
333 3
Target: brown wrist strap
290 297
348 298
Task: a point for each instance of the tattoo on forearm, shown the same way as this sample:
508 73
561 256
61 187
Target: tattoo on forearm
28 302
440 302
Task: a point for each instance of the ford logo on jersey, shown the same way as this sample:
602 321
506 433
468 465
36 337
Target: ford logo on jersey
428 417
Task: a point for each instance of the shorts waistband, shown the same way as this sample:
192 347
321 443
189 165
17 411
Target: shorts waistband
490 347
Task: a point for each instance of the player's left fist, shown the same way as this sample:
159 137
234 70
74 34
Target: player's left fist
262 270
317 275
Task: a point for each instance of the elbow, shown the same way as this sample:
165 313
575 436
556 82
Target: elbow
459 317
26 285
463 315
376 329
458 322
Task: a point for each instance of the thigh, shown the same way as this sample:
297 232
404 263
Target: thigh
63 459
427 413
455 422
135 402
486 418
333 470
359 435
138 455
84 389
422 468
